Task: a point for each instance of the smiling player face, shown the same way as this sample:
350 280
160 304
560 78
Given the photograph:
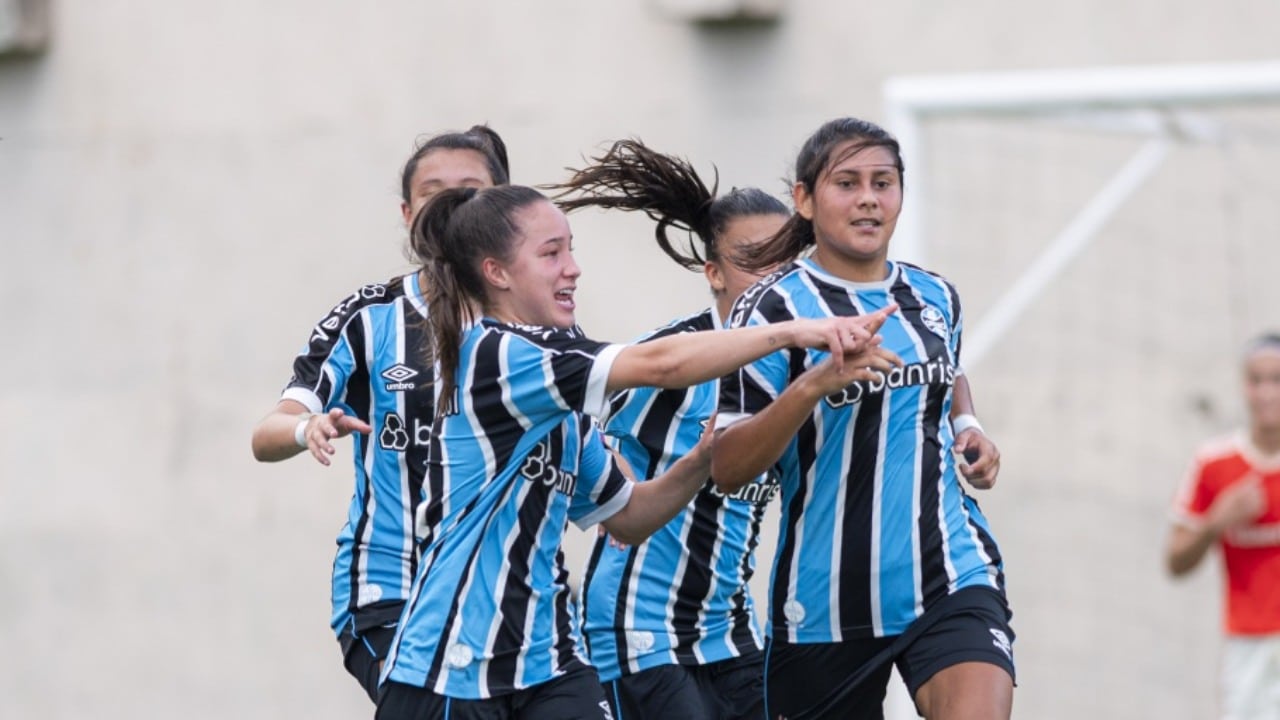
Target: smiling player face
537 284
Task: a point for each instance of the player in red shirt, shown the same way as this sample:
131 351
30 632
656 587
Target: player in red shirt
1232 499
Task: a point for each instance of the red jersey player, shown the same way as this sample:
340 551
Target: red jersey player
1232 499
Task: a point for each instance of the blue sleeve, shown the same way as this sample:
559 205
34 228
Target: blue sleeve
602 490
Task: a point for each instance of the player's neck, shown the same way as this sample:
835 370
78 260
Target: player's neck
1266 440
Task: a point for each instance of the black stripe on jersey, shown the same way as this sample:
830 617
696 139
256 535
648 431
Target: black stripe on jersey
695 581
859 499
419 402
806 437
360 399
498 425
308 367
513 606
657 425
989 546
620 606
929 526
566 652
744 638
593 564
572 356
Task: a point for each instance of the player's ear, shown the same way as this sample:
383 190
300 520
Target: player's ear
715 278
803 200
495 274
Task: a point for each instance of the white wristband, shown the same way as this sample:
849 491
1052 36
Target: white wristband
960 423
300 431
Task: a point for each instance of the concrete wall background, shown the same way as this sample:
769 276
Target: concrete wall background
185 187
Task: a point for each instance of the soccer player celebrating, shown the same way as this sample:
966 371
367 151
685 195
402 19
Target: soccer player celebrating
1232 499
363 373
669 623
489 627
883 558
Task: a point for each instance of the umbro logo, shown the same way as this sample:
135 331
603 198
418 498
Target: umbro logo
398 376
1002 641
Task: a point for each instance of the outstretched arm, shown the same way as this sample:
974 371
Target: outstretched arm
276 436
687 359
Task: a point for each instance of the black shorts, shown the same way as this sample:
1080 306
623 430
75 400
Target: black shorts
848 679
725 690
363 652
576 695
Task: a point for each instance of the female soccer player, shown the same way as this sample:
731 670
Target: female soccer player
488 630
883 558
669 624
363 372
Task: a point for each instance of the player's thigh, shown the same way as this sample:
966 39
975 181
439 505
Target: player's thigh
812 681
962 666
665 691
575 695
733 689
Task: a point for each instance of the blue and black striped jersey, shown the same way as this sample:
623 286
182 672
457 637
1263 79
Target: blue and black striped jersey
367 356
681 597
490 612
875 524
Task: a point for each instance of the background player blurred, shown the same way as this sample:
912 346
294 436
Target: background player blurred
1231 500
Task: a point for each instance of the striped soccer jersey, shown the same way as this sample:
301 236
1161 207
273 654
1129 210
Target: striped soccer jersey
367 356
681 597
1250 554
491 611
876 527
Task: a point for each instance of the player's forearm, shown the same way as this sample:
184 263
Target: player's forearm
961 397
275 439
750 447
1188 546
688 359
653 503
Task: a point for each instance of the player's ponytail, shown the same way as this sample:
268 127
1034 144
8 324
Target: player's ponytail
815 159
451 237
630 176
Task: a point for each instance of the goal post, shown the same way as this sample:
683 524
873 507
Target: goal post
1155 102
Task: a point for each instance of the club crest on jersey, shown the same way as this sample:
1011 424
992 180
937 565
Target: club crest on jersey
932 318
398 376
540 467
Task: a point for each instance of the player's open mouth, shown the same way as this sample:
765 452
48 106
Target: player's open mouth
866 223
564 298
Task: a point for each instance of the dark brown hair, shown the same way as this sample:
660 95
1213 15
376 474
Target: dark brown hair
450 238
816 157
480 138
631 176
